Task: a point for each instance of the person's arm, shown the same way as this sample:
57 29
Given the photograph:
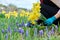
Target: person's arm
58 14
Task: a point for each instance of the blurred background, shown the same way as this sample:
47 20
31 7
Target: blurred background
9 5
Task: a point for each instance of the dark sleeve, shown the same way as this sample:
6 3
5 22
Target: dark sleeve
50 11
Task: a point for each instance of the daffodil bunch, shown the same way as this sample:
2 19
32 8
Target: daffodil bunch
27 13
3 12
7 15
36 7
22 13
35 14
14 13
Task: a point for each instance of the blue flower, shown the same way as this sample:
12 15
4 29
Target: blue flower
41 32
22 24
28 24
21 30
52 30
6 36
56 26
3 31
9 29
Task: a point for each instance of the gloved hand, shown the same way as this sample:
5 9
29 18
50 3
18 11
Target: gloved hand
49 21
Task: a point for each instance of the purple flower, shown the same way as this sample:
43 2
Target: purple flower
52 30
6 36
28 24
41 32
2 30
9 29
19 25
56 26
22 24
21 30
27 33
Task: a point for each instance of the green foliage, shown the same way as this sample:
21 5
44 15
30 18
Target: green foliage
4 23
2 15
